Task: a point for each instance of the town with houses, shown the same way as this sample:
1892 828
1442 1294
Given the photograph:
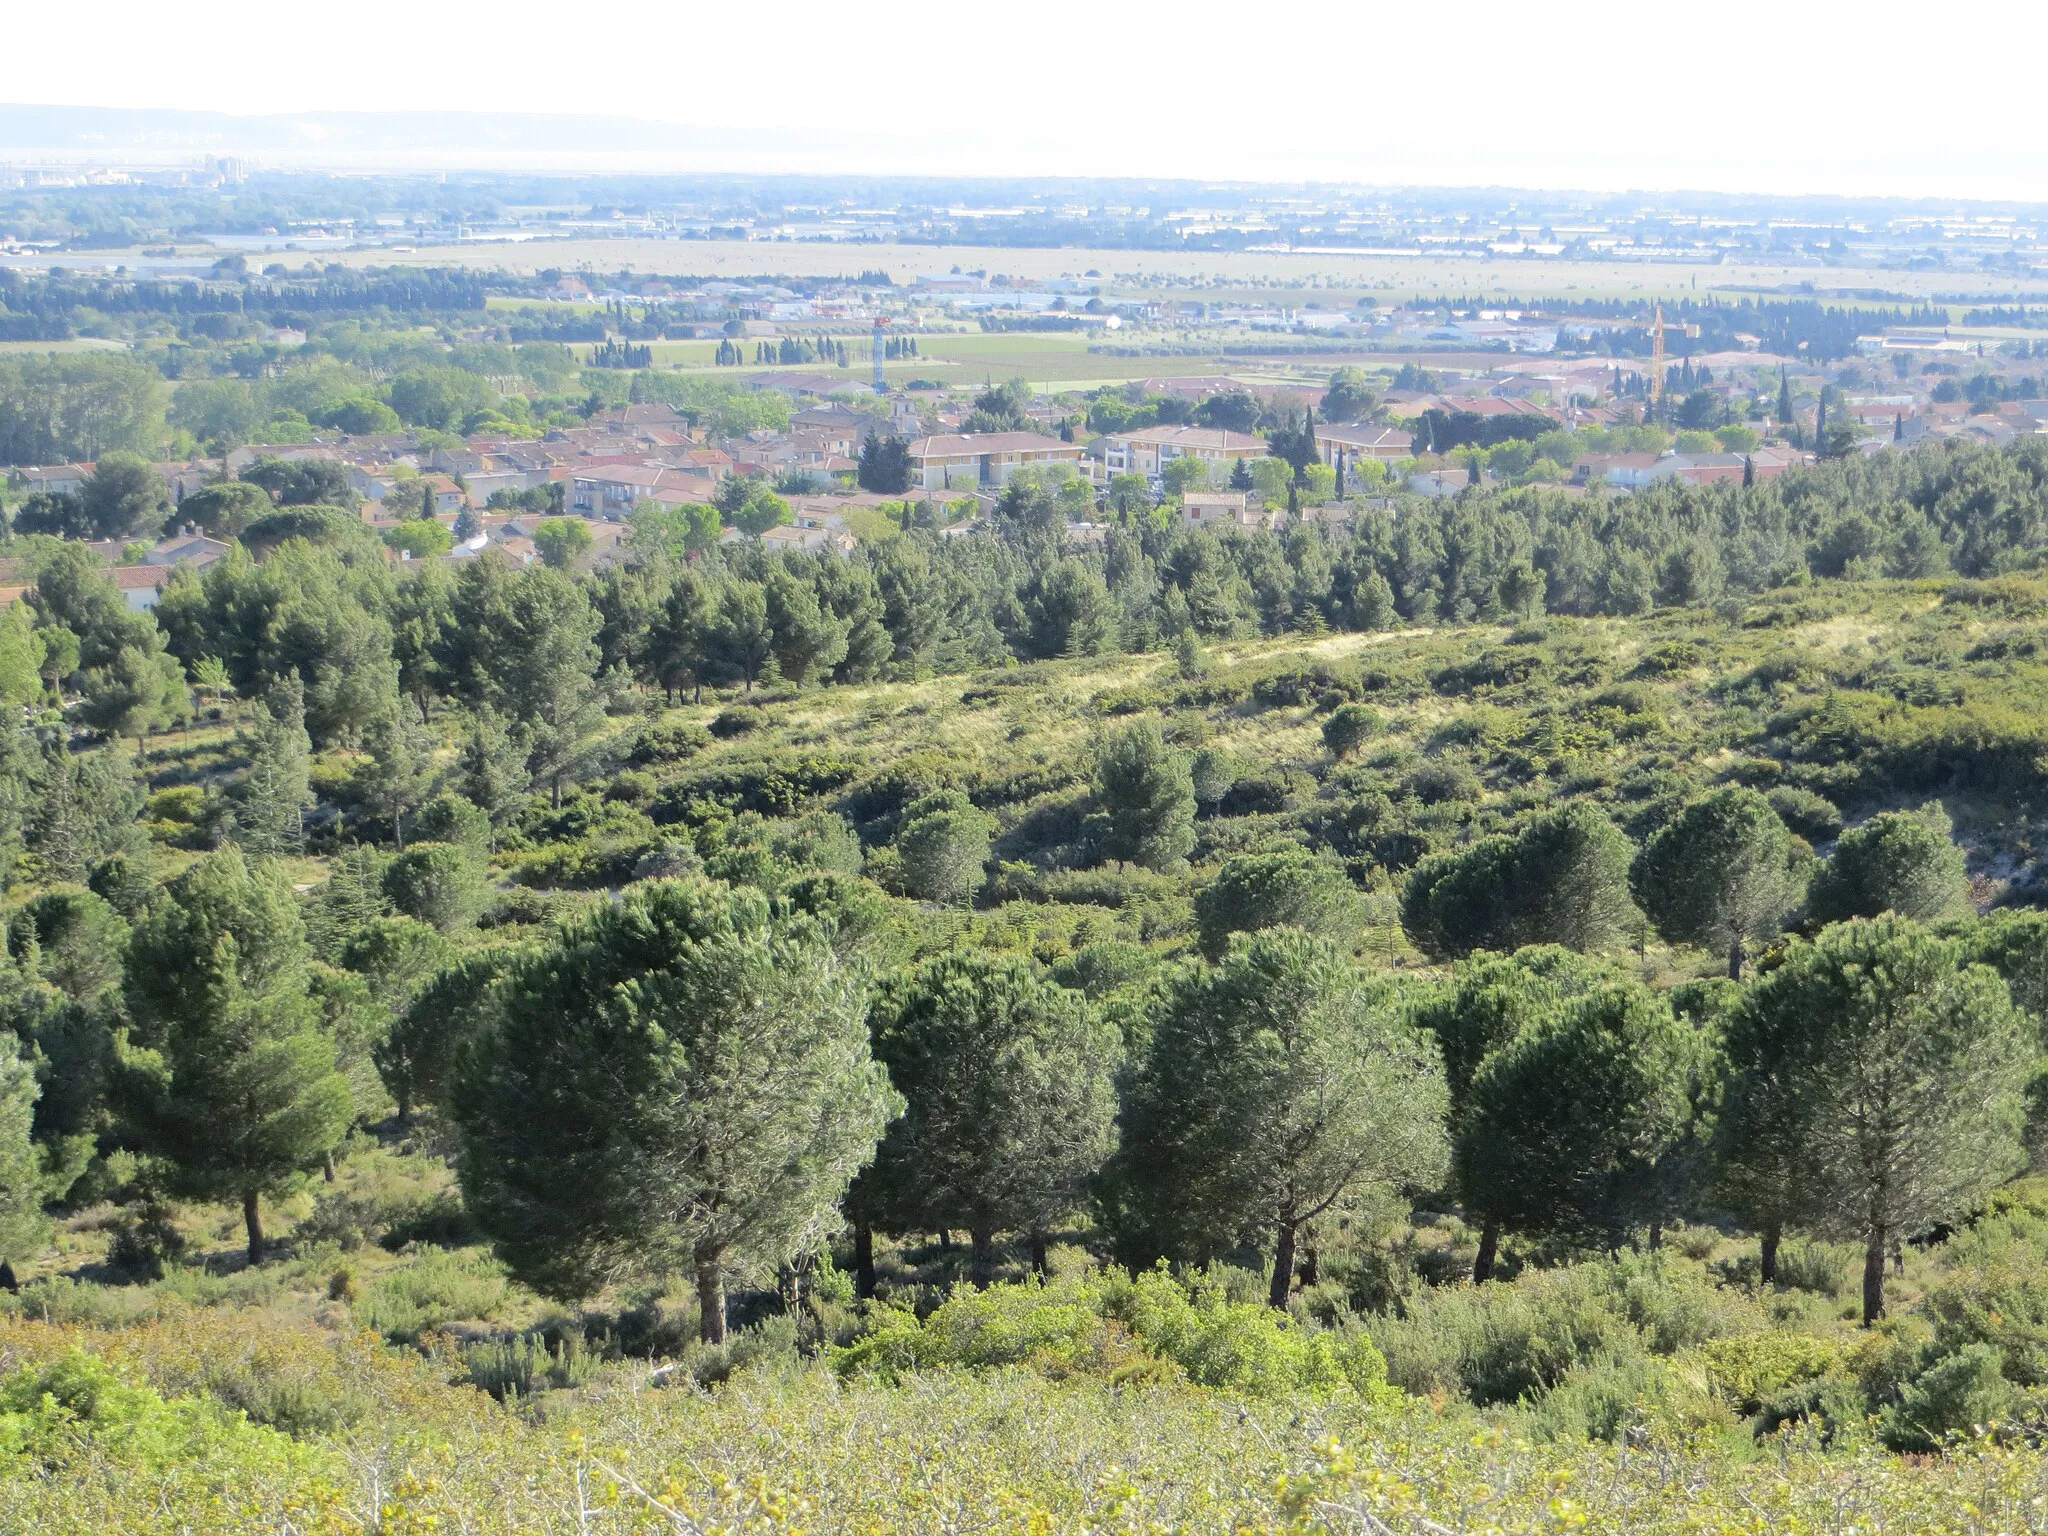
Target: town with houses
1423 399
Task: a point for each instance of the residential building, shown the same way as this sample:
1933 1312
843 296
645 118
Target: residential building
614 490
1365 441
140 584
55 479
1148 450
962 461
1223 509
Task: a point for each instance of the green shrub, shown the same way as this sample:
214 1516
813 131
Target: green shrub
528 1363
1003 1325
667 743
1752 1370
1243 1346
1195 1328
1644 1399
737 721
1953 1397
1822 1268
437 1288
79 1407
1812 816
1499 1342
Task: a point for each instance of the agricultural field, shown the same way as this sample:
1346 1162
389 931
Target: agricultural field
1387 278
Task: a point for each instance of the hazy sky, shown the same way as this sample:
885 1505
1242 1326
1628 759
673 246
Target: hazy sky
1741 96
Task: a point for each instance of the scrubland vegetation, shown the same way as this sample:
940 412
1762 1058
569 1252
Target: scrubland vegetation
1261 1033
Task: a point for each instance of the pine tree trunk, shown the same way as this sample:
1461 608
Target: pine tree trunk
1489 1249
981 1264
398 828
1283 1265
1767 1264
863 1260
1873 1277
1735 959
252 1218
710 1297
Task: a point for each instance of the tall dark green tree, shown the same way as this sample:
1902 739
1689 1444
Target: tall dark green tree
1490 1002
229 1078
418 1055
1009 1103
271 801
1288 888
397 774
944 847
24 1229
885 466
548 683
1900 861
1724 873
680 1080
1592 1127
1882 1079
1146 798
1562 879
1276 1086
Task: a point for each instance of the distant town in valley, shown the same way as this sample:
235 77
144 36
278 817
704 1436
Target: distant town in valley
466 345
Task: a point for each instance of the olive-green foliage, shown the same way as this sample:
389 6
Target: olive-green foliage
79 940
51 1412
418 1055
680 1079
1562 879
1348 728
944 847
1903 862
1288 888
1723 873
444 884
1276 1085
1007 1082
1812 816
1189 1328
437 1289
1146 798
229 1078
1505 1343
1895 1077
1586 1129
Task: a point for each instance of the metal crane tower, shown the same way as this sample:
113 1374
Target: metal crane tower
1657 357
